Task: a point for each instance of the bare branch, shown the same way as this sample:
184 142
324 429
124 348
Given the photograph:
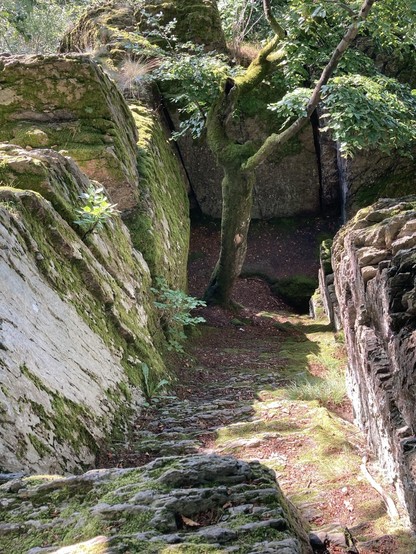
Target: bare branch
276 27
274 140
343 6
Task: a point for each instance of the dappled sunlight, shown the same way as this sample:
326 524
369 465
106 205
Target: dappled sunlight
97 545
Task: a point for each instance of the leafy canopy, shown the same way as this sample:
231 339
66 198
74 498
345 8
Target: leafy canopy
362 107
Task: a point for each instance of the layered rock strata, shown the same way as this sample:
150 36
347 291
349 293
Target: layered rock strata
374 262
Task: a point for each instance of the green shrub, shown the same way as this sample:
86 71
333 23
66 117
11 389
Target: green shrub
96 211
175 307
151 388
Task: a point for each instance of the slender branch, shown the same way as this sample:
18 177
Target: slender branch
276 27
388 501
274 140
343 6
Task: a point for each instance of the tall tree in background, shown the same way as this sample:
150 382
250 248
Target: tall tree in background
239 161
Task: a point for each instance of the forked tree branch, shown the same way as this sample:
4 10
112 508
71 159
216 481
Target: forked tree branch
275 140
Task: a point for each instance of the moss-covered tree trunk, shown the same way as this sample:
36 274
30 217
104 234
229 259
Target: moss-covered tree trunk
239 161
237 191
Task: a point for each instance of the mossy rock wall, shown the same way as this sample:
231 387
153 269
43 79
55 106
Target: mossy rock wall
160 227
68 103
373 175
117 21
196 20
77 319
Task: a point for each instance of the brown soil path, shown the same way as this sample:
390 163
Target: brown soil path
234 395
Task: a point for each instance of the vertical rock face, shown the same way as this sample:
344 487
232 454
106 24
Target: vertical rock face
374 261
69 104
286 185
76 318
372 175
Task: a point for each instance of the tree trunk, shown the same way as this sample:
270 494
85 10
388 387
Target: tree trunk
237 199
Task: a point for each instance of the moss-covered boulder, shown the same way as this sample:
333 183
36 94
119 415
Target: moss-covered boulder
196 20
160 226
194 505
113 24
69 104
77 319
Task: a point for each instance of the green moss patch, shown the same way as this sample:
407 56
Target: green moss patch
295 291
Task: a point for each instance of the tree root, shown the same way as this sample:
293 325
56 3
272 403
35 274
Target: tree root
388 501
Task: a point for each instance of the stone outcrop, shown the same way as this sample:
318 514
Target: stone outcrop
109 25
77 318
373 175
349 184
160 225
199 503
374 262
287 185
69 104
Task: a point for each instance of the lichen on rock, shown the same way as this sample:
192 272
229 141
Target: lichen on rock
200 504
77 319
374 262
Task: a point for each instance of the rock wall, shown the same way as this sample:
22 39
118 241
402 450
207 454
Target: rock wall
374 262
110 24
373 175
76 319
69 104
278 181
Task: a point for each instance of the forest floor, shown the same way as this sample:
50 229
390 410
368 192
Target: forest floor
267 384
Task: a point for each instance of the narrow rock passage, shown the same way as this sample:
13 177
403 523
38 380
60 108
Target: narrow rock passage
236 397
268 385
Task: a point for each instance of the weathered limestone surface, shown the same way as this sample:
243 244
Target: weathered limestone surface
76 318
374 262
206 504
